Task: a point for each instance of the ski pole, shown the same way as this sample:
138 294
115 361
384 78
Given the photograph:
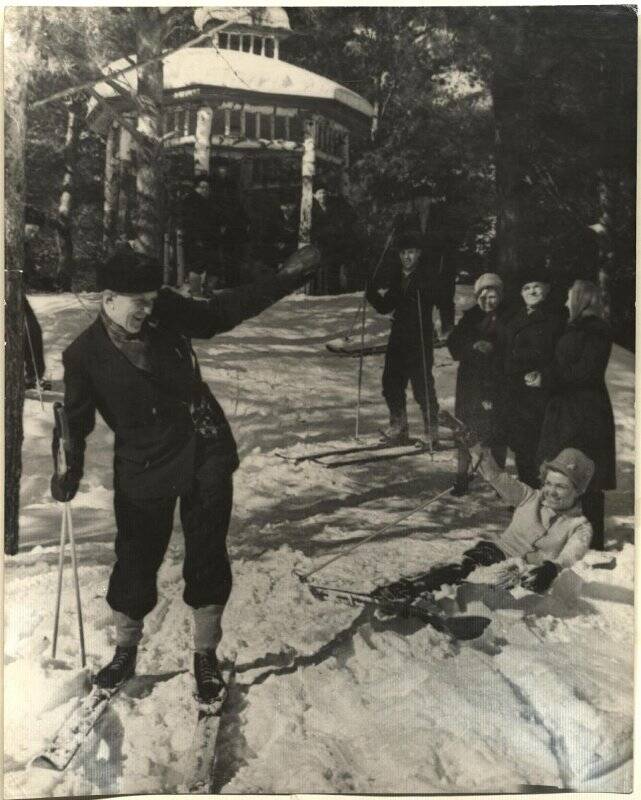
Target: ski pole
427 397
360 369
35 369
74 564
61 564
303 577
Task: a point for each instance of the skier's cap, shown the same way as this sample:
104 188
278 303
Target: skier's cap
129 272
488 280
574 464
410 240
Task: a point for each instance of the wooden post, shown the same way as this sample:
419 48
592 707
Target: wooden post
110 190
166 266
180 258
202 146
124 183
345 165
276 47
63 233
308 170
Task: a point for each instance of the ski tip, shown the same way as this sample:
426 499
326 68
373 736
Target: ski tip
46 762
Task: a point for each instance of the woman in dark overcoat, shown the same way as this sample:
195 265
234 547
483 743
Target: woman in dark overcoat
530 338
579 413
474 343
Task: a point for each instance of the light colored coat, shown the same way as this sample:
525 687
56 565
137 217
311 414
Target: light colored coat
536 533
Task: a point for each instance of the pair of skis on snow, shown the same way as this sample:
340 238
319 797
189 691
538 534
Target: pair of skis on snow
75 729
370 452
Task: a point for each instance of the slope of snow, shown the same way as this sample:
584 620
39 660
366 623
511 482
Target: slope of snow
328 698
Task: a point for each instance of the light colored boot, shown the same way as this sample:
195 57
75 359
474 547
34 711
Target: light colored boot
398 430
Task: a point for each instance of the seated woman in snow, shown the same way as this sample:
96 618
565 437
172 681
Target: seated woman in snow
547 533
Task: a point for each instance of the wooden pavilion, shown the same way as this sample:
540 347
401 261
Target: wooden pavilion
233 103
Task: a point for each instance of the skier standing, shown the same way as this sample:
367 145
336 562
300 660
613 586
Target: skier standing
409 295
135 365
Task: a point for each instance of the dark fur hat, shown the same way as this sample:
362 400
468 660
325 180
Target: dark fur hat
409 240
129 272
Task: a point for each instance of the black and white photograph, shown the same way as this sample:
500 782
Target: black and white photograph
319 399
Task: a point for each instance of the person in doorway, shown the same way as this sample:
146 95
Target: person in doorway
202 231
233 230
530 337
579 413
135 365
409 296
474 343
334 232
548 531
280 237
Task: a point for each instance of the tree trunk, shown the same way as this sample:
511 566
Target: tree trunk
111 188
63 233
509 99
149 153
19 32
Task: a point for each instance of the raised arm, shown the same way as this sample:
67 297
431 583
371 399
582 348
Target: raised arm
202 319
512 491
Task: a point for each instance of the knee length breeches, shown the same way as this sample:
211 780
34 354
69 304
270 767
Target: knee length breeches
143 531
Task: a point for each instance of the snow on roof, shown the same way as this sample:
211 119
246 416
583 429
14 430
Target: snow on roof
233 69
266 17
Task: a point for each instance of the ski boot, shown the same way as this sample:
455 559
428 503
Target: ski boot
210 686
121 667
398 431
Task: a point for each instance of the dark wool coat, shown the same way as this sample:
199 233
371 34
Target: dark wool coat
479 378
579 413
149 410
528 345
401 299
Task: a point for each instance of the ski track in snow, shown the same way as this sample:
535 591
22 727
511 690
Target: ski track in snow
328 698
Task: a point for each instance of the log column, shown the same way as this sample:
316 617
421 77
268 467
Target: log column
124 184
202 146
111 189
308 170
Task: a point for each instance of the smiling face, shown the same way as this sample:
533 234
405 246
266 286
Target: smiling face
489 299
409 258
203 189
129 310
558 491
533 293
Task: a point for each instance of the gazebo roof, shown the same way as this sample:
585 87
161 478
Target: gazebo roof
242 72
258 18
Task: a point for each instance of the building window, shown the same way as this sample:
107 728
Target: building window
223 41
234 41
258 45
265 126
218 122
280 129
269 48
234 123
295 129
250 125
247 44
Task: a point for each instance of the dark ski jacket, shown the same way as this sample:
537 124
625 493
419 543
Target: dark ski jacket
400 298
528 343
579 413
479 377
149 409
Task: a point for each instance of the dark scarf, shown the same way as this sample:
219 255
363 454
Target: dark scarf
136 347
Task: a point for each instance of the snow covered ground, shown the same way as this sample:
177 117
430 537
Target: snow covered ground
328 698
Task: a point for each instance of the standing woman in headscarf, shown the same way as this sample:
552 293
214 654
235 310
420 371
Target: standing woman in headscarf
474 343
579 413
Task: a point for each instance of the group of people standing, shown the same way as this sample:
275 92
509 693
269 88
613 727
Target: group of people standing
533 379
531 375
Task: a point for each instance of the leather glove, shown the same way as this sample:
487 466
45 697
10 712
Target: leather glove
299 267
63 487
397 593
484 553
539 579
